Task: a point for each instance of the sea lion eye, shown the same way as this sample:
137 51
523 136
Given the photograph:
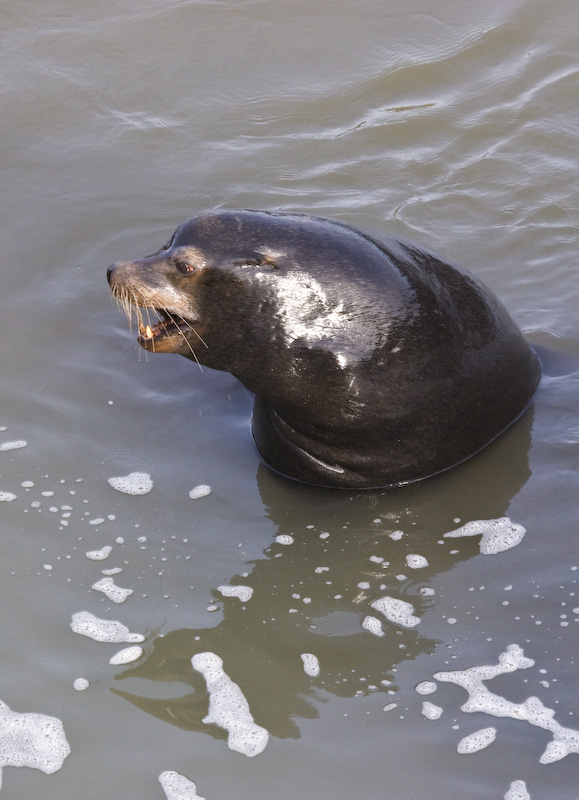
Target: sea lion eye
185 267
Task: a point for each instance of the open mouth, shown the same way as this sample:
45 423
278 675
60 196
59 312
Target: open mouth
167 327
159 329
162 334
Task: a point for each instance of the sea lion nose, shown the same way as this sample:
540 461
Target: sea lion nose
110 273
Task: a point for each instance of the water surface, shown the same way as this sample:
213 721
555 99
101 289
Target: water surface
450 123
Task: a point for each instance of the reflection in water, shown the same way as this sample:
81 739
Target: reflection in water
312 596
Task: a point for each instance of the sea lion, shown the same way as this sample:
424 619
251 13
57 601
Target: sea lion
373 362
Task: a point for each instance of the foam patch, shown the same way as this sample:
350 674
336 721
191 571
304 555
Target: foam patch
102 630
531 710
397 611
31 740
497 535
228 707
178 787
134 483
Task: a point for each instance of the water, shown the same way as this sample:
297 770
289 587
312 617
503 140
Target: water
450 123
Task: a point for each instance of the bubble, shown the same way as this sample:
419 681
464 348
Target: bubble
134 483
477 741
7 497
416 562
311 664
373 625
102 630
497 534
13 445
517 791
397 611
178 787
99 555
430 711
199 491
243 593
81 684
127 655
284 538
425 687
108 587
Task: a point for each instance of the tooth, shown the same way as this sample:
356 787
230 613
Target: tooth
148 332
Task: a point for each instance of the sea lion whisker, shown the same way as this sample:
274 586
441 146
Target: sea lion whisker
184 321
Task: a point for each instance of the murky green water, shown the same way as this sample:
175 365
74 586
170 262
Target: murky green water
452 123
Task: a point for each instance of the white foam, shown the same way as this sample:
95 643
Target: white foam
396 535
31 740
531 710
127 655
397 611
284 538
81 684
390 707
372 625
243 593
99 555
102 630
134 483
178 787
311 664
13 445
497 534
477 741
7 497
517 791
108 587
228 707
425 687
199 491
416 562
430 711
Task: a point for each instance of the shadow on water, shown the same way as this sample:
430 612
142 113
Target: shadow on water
312 596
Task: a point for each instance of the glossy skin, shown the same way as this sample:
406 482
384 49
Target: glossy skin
373 363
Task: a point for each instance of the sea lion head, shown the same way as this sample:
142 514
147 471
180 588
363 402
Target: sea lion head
182 293
230 286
